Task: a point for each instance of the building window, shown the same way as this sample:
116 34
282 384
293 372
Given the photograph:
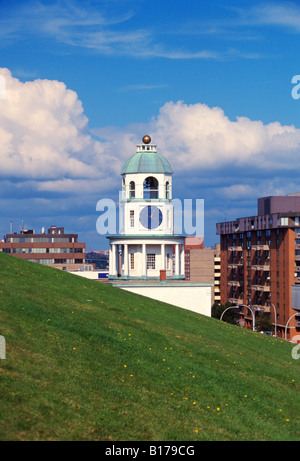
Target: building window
150 188
131 218
132 261
168 261
297 221
150 261
284 221
42 261
167 190
132 189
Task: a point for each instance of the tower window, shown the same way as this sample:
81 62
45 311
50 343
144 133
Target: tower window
150 188
150 261
167 190
132 189
131 218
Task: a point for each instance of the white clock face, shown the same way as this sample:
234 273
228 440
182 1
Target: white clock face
151 217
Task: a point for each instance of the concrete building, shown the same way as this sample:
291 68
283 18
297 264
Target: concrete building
260 261
54 248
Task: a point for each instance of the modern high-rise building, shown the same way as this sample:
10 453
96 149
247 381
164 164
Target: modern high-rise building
54 248
260 262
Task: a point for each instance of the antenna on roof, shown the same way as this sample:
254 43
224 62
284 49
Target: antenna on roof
11 227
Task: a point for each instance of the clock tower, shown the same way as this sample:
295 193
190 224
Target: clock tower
146 247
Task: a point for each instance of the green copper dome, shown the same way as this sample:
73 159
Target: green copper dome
147 161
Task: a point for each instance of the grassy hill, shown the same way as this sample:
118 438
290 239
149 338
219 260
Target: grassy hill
86 361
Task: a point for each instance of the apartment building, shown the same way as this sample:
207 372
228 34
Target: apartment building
260 262
54 248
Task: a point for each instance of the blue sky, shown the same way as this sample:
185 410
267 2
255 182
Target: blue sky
210 82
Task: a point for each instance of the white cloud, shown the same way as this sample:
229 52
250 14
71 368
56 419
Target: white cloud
237 190
287 15
45 142
108 30
44 132
196 136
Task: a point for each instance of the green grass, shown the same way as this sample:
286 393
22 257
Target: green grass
87 361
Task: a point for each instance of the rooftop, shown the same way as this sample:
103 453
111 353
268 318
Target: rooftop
147 160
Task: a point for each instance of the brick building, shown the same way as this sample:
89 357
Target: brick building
54 248
202 264
260 261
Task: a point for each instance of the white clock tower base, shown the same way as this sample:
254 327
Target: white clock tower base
143 258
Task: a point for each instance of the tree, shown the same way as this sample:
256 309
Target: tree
231 316
263 322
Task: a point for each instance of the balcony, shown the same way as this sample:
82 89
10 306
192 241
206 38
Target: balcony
259 307
235 265
264 288
237 301
260 247
259 267
237 248
234 283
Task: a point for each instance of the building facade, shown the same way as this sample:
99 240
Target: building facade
260 261
202 265
145 244
54 248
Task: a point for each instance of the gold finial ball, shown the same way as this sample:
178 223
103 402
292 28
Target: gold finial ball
146 139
